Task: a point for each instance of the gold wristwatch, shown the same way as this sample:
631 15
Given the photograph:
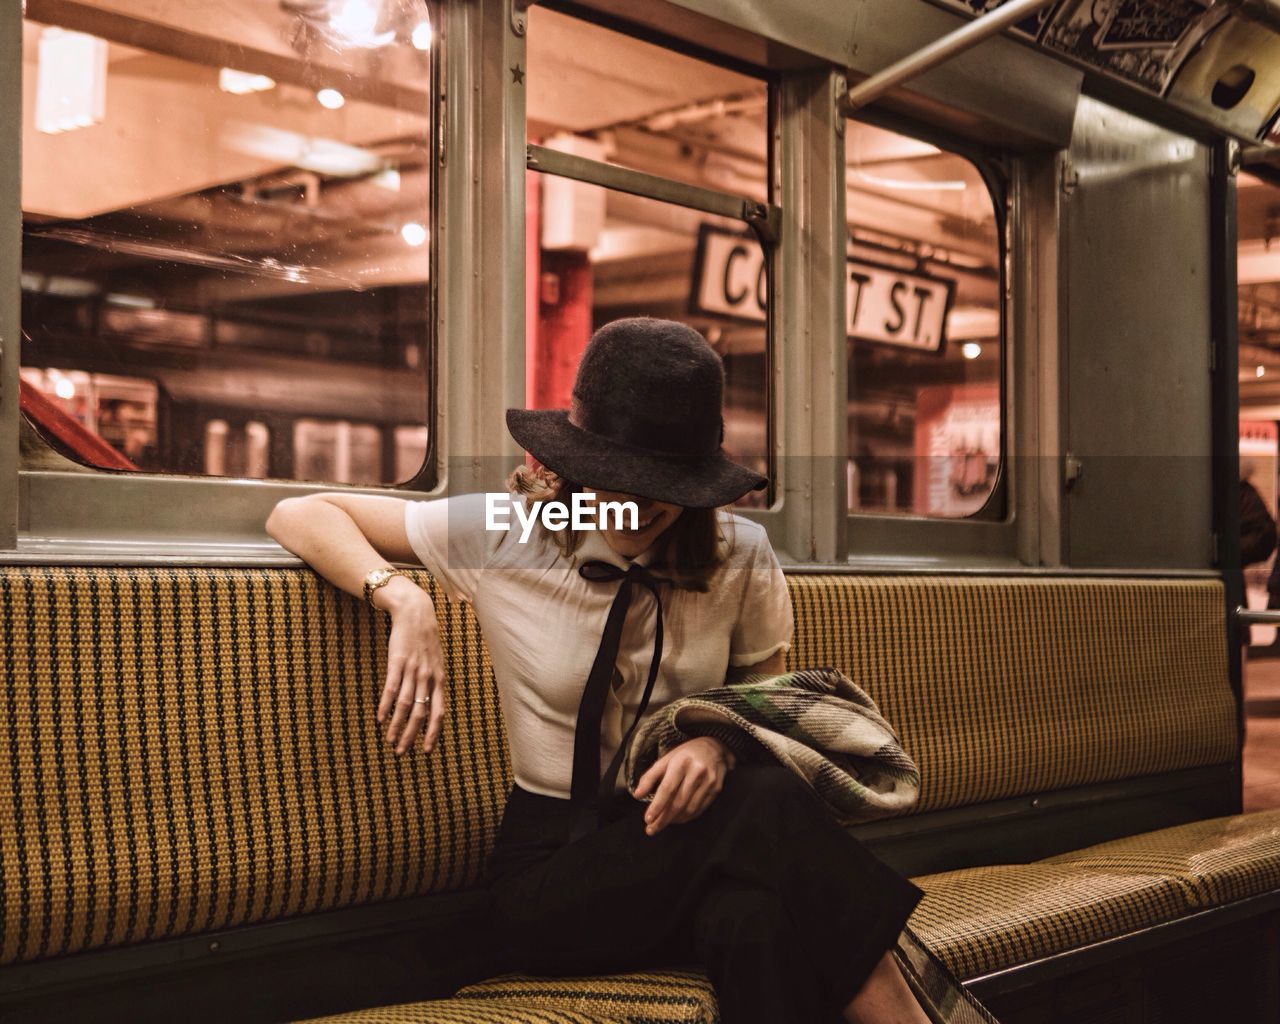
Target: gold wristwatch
376 578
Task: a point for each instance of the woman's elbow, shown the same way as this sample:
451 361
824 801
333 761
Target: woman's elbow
282 522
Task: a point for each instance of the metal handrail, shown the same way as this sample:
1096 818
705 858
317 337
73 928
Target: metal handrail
939 50
764 217
1258 616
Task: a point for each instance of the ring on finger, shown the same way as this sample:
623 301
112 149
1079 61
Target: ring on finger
422 700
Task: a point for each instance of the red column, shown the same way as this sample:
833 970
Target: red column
564 325
557 310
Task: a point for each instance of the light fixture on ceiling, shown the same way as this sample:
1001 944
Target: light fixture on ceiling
423 35
331 99
911 185
241 83
971 350
64 388
71 81
1260 371
414 234
388 178
355 22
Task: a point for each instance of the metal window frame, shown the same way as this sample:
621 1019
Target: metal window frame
896 540
787 519
84 515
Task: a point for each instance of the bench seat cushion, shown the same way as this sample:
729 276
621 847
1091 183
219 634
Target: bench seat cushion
1218 860
465 1011
980 920
648 997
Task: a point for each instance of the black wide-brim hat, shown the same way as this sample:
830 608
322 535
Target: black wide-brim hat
646 419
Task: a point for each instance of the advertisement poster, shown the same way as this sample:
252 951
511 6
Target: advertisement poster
1141 41
1259 457
957 448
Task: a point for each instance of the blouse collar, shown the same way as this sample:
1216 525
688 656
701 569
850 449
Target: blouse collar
594 546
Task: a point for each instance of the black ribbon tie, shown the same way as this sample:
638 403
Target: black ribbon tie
588 789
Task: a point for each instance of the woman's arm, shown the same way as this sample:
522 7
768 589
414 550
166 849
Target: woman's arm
343 537
771 666
689 777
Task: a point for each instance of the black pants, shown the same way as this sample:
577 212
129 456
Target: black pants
786 911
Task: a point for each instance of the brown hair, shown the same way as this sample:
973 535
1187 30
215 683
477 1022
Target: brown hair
687 552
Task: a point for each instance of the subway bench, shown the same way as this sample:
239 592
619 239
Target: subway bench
201 813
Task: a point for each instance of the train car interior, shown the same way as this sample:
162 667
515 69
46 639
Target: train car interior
996 289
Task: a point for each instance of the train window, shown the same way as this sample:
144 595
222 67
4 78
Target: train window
600 253
646 258
235 211
925 330
640 105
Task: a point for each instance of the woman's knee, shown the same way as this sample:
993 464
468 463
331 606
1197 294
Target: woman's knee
734 917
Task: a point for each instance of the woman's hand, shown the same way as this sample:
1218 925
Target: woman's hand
413 693
687 778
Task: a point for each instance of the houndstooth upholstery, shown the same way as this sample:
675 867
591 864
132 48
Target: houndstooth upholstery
1012 685
195 749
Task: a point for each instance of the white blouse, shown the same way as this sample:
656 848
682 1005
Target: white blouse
542 624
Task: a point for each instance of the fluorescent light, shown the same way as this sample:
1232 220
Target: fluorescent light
423 35
324 156
239 83
129 301
71 81
971 350
414 234
355 22
388 179
910 185
331 99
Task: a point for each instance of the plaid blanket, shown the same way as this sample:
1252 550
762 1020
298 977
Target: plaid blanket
826 729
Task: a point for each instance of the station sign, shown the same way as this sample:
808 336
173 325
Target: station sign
883 304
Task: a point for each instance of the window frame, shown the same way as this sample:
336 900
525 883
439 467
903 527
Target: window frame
763 220
84 514
989 536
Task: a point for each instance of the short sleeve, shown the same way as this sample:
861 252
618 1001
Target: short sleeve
451 538
765 623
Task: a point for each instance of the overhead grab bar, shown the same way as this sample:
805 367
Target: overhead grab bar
964 38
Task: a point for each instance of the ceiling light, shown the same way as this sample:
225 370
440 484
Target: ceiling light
355 22
331 99
388 178
240 83
422 35
64 388
324 156
912 185
71 81
1260 371
414 234
971 350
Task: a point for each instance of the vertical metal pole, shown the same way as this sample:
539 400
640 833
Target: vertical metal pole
1226 407
479 321
10 264
810 354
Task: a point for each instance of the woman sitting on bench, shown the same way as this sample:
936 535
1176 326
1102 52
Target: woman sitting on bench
739 868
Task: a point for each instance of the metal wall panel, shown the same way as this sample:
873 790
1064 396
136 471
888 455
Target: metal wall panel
1136 267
